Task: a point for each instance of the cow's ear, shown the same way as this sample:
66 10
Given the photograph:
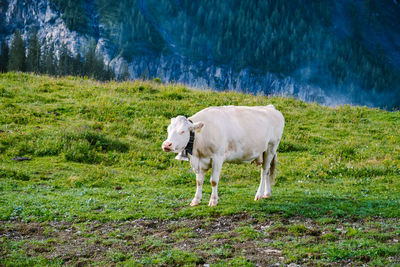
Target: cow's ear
196 126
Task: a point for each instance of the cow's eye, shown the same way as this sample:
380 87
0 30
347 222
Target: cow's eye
182 132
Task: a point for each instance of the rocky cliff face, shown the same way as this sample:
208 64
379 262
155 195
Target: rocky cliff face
204 75
42 14
26 15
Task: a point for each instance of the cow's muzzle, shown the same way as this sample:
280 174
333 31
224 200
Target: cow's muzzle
167 146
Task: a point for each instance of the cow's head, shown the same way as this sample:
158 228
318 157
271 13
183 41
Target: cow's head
179 134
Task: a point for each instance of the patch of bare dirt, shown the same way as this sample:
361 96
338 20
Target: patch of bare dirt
212 239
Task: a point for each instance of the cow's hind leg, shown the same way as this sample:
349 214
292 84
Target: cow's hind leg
264 190
199 189
271 173
260 190
270 177
216 171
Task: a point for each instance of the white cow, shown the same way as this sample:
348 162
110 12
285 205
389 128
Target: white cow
228 134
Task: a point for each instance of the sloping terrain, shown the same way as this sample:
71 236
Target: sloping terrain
99 185
332 52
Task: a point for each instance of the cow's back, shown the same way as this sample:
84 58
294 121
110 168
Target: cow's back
238 133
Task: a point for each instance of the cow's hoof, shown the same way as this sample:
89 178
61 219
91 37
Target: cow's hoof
213 202
267 196
194 202
257 198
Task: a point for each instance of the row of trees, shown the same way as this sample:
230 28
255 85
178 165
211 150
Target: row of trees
296 38
43 57
278 36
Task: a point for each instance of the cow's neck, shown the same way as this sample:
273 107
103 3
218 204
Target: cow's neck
188 150
189 147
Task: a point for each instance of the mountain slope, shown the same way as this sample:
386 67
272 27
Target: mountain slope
332 51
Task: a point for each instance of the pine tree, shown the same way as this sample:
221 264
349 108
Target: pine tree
4 57
109 73
77 63
124 74
94 66
89 65
48 60
33 58
99 67
17 59
65 61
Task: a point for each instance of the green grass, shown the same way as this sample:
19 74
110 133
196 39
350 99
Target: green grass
96 156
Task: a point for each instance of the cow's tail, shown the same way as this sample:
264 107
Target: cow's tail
272 169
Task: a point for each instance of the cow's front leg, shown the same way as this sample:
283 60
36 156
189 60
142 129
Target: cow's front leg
199 189
264 190
216 171
260 191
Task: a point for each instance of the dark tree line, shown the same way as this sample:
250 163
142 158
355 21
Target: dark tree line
42 57
278 36
289 38
4 57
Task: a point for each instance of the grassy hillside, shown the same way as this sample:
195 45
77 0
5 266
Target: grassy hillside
97 174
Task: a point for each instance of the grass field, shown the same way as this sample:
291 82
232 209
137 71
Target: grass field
99 190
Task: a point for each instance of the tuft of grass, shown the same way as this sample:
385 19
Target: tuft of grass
247 233
169 257
154 244
297 229
183 233
117 256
